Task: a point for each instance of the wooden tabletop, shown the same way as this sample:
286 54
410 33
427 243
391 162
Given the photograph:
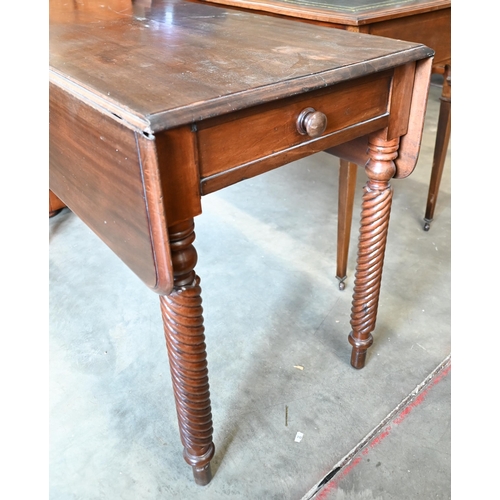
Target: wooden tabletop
158 65
342 12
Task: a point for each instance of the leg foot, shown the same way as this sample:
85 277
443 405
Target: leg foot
359 348
427 224
202 475
341 282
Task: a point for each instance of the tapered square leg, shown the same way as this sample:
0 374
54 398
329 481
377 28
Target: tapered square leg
347 187
440 149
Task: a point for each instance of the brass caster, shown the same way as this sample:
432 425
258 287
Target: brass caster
341 283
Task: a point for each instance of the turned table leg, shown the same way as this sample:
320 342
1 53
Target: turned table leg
440 149
375 212
347 187
184 333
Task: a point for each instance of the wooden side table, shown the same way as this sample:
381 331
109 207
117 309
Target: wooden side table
155 104
424 21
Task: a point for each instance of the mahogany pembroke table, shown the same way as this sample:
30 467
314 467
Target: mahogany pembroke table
156 104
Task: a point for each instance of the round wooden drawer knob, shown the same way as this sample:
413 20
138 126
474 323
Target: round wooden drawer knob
311 122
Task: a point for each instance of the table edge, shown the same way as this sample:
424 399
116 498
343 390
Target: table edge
220 105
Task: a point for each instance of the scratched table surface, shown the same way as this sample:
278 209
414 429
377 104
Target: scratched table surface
177 62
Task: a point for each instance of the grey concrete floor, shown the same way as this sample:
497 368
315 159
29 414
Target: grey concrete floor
267 253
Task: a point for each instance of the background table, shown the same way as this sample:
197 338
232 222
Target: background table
153 107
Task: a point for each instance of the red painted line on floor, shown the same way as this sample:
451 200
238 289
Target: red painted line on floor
380 437
421 397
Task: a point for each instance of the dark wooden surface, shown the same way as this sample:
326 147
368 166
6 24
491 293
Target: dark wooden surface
424 21
195 70
153 104
206 62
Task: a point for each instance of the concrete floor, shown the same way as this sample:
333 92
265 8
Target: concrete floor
271 304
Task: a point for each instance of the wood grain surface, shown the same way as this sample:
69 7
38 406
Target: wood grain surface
179 62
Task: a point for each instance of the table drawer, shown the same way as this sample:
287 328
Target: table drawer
250 135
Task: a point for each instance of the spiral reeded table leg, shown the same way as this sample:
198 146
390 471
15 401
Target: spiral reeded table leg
182 315
375 212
